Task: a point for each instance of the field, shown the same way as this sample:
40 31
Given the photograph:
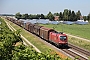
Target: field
75 41
71 29
77 30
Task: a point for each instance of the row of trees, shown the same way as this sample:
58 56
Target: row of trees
26 16
67 15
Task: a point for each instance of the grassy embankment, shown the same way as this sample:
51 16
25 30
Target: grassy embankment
31 38
77 30
15 51
34 40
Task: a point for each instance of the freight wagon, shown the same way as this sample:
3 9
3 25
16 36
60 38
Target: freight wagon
44 32
48 34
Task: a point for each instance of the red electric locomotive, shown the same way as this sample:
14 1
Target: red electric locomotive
51 35
48 34
59 39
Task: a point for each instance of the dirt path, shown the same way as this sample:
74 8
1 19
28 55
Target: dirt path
78 37
25 40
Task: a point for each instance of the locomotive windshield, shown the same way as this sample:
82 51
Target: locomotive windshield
63 37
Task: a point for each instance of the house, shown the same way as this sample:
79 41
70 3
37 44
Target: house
56 18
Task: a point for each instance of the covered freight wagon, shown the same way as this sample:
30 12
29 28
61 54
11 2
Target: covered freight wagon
27 26
36 29
21 23
18 22
31 28
44 32
24 24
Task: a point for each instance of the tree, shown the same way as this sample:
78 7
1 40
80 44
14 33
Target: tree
25 16
38 16
73 16
30 16
56 14
88 17
60 16
65 14
45 16
42 16
50 16
78 14
69 15
85 17
18 15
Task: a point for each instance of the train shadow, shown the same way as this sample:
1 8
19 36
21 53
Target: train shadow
64 47
61 46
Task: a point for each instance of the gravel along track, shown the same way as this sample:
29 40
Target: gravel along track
74 54
56 49
80 50
69 52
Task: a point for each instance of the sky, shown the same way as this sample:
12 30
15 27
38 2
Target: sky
43 6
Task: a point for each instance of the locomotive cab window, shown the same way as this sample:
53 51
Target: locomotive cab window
63 37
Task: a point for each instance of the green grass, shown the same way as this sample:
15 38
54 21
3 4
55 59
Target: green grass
34 40
80 43
74 29
77 30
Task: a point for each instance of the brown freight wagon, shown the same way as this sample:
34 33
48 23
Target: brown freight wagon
9 18
44 32
21 23
13 20
31 28
27 26
16 21
36 29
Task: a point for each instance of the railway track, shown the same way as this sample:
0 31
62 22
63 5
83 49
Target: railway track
83 51
72 51
74 54
69 51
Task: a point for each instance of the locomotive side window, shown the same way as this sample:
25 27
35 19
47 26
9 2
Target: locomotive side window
63 37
